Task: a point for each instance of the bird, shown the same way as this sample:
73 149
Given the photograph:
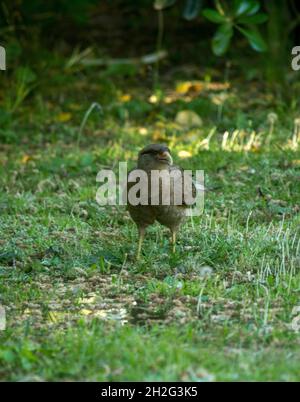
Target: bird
157 157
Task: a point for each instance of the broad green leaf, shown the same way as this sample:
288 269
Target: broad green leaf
162 4
192 9
7 355
246 7
255 39
221 39
214 16
253 19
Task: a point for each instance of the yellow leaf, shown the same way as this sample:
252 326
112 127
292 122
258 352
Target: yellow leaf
184 154
63 117
87 300
85 312
125 98
189 87
158 136
183 87
56 316
169 99
153 99
188 119
25 159
143 131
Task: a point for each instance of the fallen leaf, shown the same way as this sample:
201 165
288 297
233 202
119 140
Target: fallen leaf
125 98
85 312
184 154
25 159
188 119
63 117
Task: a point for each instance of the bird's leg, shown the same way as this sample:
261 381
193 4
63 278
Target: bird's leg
141 238
173 239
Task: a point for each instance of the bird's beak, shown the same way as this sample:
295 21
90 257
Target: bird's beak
165 157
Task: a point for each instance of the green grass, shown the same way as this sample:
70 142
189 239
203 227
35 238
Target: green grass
80 308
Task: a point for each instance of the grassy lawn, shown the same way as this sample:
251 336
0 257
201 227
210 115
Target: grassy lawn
79 307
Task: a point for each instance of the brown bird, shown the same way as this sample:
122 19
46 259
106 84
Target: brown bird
157 157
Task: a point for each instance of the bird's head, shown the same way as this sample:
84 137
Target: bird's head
155 157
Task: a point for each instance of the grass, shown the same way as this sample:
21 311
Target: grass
80 308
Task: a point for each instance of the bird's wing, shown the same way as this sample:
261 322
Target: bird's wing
143 215
189 190
187 187
130 184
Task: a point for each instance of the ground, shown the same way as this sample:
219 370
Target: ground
78 306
